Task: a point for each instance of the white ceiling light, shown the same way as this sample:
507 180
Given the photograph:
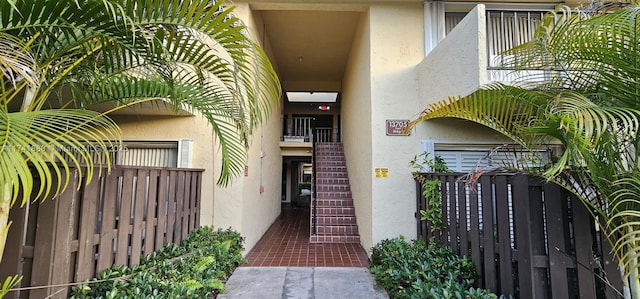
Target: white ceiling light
312 97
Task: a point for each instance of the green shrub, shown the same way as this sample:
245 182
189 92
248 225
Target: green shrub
197 268
417 270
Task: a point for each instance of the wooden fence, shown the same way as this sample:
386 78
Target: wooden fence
526 238
116 219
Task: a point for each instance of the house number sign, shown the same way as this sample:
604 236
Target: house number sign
395 126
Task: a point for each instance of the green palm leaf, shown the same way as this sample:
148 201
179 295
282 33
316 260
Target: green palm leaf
43 139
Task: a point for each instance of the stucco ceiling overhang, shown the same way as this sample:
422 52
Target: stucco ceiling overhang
310 42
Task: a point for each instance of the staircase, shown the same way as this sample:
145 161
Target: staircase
335 217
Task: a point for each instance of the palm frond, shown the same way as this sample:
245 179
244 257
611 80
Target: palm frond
15 63
98 43
42 140
506 109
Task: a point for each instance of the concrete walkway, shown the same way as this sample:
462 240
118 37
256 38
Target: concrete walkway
302 282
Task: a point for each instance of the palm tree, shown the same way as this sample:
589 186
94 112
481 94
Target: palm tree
587 100
58 58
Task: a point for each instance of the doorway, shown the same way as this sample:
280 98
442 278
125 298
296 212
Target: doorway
296 181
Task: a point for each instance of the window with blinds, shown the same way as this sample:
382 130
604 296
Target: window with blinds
469 157
468 160
145 153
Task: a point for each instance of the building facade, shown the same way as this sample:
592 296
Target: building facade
351 71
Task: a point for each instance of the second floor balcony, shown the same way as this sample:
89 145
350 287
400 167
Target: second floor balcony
302 129
471 53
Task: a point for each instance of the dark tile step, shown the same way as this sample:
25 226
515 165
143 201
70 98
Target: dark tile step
336 220
329 203
332 181
337 230
332 188
329 174
335 211
334 239
331 163
333 195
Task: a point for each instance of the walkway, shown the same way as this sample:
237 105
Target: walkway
285 265
302 283
286 244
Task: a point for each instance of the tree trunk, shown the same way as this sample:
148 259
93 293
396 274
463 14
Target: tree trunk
5 205
634 284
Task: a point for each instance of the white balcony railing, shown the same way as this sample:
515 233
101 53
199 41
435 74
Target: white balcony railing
506 30
300 129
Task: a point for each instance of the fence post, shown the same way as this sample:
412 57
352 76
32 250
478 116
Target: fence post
474 233
611 268
540 261
522 215
462 219
556 235
14 248
420 205
52 250
151 218
138 207
108 230
453 216
88 222
124 218
444 232
582 223
504 238
488 240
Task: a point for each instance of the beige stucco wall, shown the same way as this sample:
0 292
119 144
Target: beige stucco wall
252 203
243 205
388 77
356 127
395 51
155 128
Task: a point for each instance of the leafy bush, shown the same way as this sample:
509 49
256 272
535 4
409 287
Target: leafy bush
197 268
417 270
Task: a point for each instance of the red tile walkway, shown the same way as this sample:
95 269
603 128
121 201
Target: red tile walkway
286 243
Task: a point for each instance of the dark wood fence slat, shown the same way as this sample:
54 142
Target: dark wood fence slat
488 239
453 217
186 205
124 218
584 243
522 220
504 238
180 190
138 214
88 222
66 231
612 272
198 199
538 242
150 216
556 238
444 233
421 227
461 194
163 206
171 213
108 230
14 243
42 254
474 233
